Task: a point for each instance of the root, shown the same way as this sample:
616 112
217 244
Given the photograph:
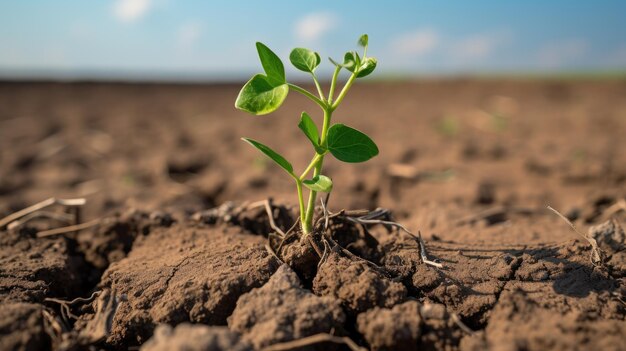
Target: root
423 253
66 312
312 340
100 326
367 219
267 203
457 320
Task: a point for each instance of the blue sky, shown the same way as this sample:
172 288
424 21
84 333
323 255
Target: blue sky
211 39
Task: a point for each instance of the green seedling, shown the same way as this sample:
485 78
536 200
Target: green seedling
265 93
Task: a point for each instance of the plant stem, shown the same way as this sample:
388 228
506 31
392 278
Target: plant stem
307 94
310 166
317 85
300 199
343 92
333 82
318 161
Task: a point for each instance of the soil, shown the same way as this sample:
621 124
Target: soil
181 258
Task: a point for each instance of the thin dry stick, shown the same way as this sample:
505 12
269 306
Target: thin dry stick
596 253
39 206
68 229
61 217
312 340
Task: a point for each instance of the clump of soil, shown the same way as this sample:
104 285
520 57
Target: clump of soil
113 237
356 284
520 323
22 327
409 326
398 328
197 276
282 310
34 268
194 337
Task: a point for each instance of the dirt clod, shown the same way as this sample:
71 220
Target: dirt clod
356 284
22 327
282 310
190 337
184 274
398 328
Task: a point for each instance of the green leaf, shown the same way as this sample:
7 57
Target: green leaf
363 40
310 130
304 59
319 183
281 161
351 60
350 145
260 96
368 66
272 64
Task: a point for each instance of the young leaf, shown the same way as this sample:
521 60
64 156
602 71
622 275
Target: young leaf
351 61
350 145
260 96
281 161
272 64
304 59
319 183
310 130
367 67
363 40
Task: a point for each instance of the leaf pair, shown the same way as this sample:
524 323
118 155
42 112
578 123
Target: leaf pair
345 143
264 94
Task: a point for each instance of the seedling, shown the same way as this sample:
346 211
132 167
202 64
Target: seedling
265 93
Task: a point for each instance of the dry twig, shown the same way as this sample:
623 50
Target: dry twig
40 206
68 229
597 256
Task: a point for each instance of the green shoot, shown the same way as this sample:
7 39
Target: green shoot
265 93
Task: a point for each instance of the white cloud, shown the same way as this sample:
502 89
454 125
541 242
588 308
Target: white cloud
416 43
131 10
189 33
561 53
313 26
478 46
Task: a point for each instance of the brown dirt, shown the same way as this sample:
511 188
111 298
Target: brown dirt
196 337
283 311
196 276
470 164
